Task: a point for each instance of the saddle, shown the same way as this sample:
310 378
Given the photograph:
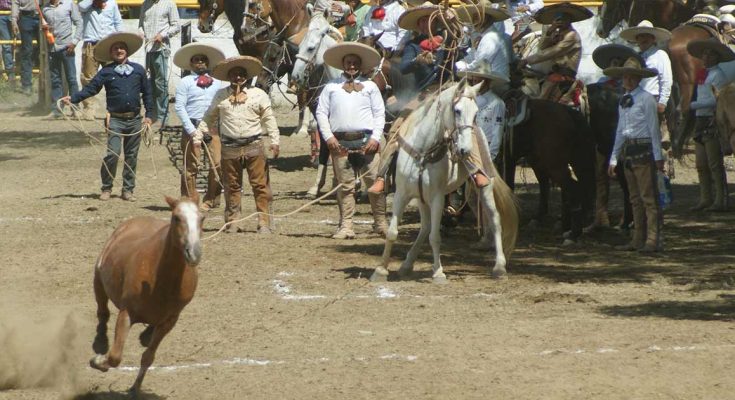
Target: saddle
516 107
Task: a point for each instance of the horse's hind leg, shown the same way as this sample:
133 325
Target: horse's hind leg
146 335
114 356
413 253
159 332
399 204
101 344
488 200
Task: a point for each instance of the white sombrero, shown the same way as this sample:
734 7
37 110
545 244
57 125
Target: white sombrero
410 18
483 70
102 48
470 14
697 47
182 58
605 54
252 66
645 27
574 13
370 57
632 66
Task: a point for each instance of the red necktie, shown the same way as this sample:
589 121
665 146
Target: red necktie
204 81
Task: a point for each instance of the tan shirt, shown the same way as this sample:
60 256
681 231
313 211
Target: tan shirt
242 120
567 52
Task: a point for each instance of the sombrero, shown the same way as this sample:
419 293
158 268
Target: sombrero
548 14
370 58
697 47
646 27
632 66
252 66
102 48
469 14
729 18
410 18
483 70
605 54
183 55
728 9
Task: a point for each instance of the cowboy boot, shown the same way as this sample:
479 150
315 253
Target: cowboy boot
321 179
720 186
639 230
705 191
377 204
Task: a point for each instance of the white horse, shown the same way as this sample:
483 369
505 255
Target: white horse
310 74
430 165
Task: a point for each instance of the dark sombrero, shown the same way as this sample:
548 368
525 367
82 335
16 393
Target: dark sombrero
697 48
574 13
605 54
632 66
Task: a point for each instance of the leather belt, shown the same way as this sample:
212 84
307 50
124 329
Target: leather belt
637 141
90 42
125 115
29 13
351 135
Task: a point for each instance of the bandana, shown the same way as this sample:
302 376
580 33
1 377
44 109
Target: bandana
238 95
627 101
352 86
701 76
204 81
432 44
378 13
124 69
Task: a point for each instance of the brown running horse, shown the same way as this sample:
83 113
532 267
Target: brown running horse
148 269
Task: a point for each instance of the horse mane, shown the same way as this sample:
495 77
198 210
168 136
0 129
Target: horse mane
433 113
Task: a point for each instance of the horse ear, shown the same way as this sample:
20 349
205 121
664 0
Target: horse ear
171 202
476 88
310 9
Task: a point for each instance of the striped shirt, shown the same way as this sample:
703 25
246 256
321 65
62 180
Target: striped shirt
5 5
98 23
22 5
65 22
158 17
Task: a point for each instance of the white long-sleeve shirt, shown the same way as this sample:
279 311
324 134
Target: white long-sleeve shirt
193 101
493 48
393 35
706 102
640 121
659 85
339 111
491 119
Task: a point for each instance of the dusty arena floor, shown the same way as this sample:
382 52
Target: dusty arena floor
293 316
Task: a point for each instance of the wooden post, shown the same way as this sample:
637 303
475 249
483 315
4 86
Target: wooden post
44 78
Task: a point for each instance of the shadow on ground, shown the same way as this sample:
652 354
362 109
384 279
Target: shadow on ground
722 309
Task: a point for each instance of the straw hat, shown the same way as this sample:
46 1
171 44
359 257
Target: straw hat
603 55
697 47
410 18
369 56
183 56
483 70
548 14
728 9
252 65
102 49
646 27
632 66
469 14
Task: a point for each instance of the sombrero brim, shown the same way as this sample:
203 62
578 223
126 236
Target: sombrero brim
252 66
603 55
370 57
697 47
469 15
102 48
485 75
576 13
409 19
617 72
660 34
182 57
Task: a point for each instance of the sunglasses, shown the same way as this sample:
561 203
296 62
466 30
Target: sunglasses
199 60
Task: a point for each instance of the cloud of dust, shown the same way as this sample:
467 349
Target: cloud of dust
42 354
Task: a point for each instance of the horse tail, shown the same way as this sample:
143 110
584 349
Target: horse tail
507 205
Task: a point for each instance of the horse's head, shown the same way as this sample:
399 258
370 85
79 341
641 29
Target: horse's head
464 110
255 19
318 38
209 10
372 41
186 228
611 13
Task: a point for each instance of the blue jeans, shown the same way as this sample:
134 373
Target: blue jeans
116 145
28 27
6 33
58 60
157 64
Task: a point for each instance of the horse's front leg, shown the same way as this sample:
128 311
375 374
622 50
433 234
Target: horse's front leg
114 356
159 332
437 207
101 344
413 252
488 200
399 204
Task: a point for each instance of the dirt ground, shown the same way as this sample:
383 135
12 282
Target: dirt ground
293 315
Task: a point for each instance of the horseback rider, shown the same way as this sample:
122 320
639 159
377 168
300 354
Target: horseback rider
648 38
709 157
491 108
382 19
638 147
351 118
193 97
238 114
521 14
561 47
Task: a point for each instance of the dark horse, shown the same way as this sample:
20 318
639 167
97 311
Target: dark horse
552 139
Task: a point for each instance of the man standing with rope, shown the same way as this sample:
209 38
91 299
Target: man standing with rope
125 83
159 22
351 118
193 97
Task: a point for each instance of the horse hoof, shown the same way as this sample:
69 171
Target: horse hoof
405 274
99 362
440 280
378 277
499 274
